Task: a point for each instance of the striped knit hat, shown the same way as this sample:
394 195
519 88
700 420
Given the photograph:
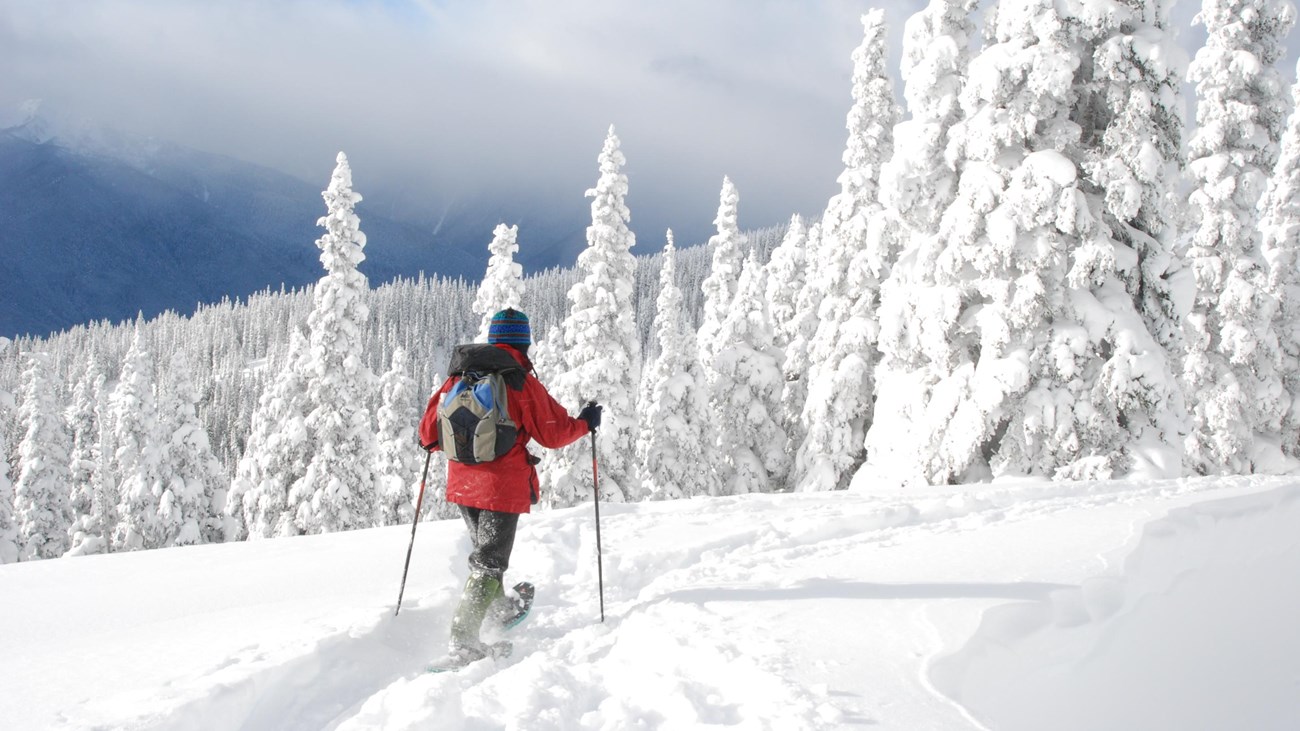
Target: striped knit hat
509 326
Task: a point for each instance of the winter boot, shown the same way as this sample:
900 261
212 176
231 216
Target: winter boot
480 591
512 607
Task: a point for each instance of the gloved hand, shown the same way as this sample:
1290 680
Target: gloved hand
591 414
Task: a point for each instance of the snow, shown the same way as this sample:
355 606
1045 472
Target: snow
1010 605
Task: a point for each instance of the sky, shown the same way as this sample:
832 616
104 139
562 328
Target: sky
442 102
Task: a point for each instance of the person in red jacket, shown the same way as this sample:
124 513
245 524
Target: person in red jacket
491 495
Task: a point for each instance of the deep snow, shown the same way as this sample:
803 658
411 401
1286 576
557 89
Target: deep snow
1092 605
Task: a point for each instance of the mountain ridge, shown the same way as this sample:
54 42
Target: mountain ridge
97 226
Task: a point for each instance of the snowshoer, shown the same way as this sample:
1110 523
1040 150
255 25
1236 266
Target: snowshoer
494 491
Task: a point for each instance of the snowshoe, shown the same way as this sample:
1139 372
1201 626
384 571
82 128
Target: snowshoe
464 655
511 610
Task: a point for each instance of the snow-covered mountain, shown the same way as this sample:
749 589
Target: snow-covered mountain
98 225
1030 605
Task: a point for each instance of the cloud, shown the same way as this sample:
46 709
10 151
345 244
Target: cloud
450 99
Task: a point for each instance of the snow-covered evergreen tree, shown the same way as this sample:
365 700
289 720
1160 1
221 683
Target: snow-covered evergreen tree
87 533
786 275
856 253
751 444
278 450
1135 114
1280 229
1231 362
399 461
41 491
8 526
918 182
1010 339
503 283
337 490
917 186
194 487
798 334
138 448
724 276
673 450
598 349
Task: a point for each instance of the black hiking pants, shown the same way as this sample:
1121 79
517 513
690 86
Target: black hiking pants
493 537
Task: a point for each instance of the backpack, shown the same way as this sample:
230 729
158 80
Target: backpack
475 415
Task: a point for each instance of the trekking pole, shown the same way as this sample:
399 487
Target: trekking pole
595 486
419 502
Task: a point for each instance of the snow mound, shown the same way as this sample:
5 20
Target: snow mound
1197 632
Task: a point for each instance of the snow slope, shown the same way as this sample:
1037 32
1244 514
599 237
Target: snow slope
1101 605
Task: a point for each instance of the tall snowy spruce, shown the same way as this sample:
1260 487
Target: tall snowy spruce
41 492
276 452
1134 107
8 526
398 463
1230 370
918 182
137 445
724 276
672 449
1280 229
85 467
597 353
917 185
854 256
786 276
751 443
1017 338
503 282
194 487
337 490
308 466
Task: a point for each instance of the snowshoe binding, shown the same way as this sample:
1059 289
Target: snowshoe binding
461 656
511 609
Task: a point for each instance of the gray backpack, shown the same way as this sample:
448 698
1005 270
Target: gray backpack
474 423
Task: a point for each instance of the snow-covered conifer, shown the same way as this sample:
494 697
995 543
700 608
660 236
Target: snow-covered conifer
1008 340
724 275
917 186
751 444
41 491
672 450
1133 110
86 462
398 465
277 451
337 490
918 182
1230 371
598 349
799 333
1280 229
503 283
8 526
194 491
138 450
856 253
786 274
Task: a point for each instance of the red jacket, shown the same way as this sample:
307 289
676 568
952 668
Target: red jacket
507 483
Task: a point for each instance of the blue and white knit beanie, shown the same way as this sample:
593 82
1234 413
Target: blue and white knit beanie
510 326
